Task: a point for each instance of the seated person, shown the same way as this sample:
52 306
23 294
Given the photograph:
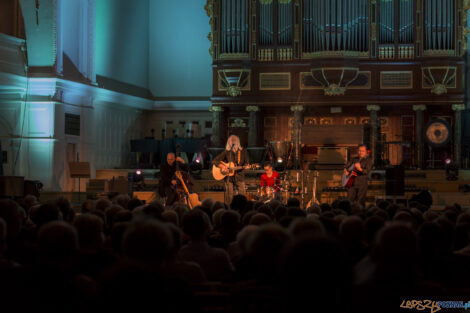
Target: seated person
168 181
270 181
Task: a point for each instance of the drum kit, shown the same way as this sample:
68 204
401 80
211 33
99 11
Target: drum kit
291 182
290 185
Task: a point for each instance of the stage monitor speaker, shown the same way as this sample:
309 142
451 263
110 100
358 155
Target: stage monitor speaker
395 181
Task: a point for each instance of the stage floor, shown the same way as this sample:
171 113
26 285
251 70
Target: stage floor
444 192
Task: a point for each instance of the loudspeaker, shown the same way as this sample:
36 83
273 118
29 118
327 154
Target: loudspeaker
395 181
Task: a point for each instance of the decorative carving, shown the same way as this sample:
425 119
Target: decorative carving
211 51
209 8
264 2
439 78
350 121
439 89
465 30
310 121
296 108
334 90
333 80
373 107
326 121
234 91
233 81
216 108
238 122
365 120
419 107
252 108
458 107
362 81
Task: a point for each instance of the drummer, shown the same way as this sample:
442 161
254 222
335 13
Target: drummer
270 178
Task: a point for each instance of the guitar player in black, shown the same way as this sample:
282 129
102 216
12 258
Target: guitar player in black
233 153
362 166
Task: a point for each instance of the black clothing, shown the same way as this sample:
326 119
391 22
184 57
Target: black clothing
358 190
167 174
237 181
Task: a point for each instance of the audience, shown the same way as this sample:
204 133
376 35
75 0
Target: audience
264 257
215 262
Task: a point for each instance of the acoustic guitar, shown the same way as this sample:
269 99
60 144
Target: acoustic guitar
192 199
220 174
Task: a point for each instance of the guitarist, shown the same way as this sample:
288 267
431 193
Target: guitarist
233 153
361 166
168 180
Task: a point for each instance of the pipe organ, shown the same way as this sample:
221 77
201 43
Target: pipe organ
338 55
322 28
335 25
234 28
439 25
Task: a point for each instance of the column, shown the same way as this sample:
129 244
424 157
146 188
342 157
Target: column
419 142
218 126
254 137
374 130
458 108
297 123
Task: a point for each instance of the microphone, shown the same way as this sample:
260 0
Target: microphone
233 145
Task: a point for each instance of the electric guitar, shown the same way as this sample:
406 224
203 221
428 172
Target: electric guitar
192 199
348 180
220 174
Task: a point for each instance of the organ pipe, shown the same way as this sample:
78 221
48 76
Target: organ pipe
439 24
335 25
406 26
386 21
285 22
234 26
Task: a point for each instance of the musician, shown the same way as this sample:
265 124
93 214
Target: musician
168 181
233 153
270 178
361 166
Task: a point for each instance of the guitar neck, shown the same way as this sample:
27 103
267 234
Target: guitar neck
183 184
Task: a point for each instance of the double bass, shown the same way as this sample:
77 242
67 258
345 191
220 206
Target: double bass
192 199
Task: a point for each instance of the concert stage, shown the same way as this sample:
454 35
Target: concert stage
328 187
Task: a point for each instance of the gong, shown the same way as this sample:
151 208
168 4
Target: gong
437 133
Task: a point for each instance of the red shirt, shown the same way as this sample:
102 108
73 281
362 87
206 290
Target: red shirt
272 181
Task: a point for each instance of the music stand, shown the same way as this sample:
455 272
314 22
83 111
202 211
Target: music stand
79 170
